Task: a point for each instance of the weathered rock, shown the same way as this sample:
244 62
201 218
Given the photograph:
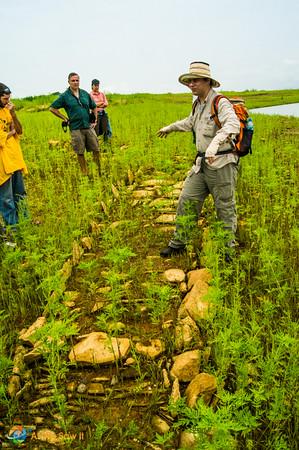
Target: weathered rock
77 253
104 290
65 272
160 425
26 336
187 440
195 305
98 348
175 394
99 304
173 194
174 275
95 389
154 182
153 350
25 392
166 380
82 388
143 194
87 242
183 287
165 218
197 276
130 361
14 385
35 354
187 334
71 386
43 401
186 366
202 385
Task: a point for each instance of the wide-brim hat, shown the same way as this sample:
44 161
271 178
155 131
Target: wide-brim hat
198 69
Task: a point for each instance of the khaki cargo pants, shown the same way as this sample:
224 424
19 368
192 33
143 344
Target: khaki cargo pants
221 184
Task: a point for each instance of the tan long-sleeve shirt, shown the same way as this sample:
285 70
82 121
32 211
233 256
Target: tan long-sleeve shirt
209 138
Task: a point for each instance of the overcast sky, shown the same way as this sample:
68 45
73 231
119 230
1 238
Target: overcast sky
144 45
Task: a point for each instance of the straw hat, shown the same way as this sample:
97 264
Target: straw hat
198 70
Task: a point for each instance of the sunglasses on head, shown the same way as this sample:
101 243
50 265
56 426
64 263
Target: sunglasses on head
5 91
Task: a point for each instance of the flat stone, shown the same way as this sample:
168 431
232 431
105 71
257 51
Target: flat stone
95 389
143 194
99 348
174 275
26 336
165 218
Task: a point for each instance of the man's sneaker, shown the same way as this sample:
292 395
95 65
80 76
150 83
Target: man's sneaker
172 251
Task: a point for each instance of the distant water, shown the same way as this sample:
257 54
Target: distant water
291 109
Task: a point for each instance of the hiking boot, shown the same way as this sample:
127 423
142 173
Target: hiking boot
172 251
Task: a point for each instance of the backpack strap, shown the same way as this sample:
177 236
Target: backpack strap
214 109
194 104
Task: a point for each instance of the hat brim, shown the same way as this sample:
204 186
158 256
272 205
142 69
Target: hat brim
186 77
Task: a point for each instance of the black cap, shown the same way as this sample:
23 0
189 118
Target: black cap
4 89
95 81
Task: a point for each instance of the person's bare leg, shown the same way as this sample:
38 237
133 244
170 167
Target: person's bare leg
83 165
96 158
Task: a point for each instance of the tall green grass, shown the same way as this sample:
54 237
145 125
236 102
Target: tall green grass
254 333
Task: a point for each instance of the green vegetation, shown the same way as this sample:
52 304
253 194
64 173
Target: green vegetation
253 335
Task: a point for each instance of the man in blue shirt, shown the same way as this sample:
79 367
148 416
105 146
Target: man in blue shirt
78 104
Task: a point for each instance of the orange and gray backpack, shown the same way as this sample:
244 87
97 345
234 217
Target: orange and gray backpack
243 140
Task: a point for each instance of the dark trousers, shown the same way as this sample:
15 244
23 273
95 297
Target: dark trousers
101 127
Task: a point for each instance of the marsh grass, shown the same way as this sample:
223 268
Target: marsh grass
253 334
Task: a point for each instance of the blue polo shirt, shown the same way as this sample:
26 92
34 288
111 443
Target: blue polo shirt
77 109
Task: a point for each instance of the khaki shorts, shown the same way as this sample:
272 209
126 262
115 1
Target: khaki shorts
85 139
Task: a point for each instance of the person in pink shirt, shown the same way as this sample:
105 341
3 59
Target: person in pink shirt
103 126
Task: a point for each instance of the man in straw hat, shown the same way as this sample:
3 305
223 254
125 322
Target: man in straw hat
215 169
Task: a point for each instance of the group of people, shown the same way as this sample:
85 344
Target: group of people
212 173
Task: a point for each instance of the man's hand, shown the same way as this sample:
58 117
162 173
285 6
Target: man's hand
211 159
162 133
211 152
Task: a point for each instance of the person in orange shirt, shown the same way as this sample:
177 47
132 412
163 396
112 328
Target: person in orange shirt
12 164
103 126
